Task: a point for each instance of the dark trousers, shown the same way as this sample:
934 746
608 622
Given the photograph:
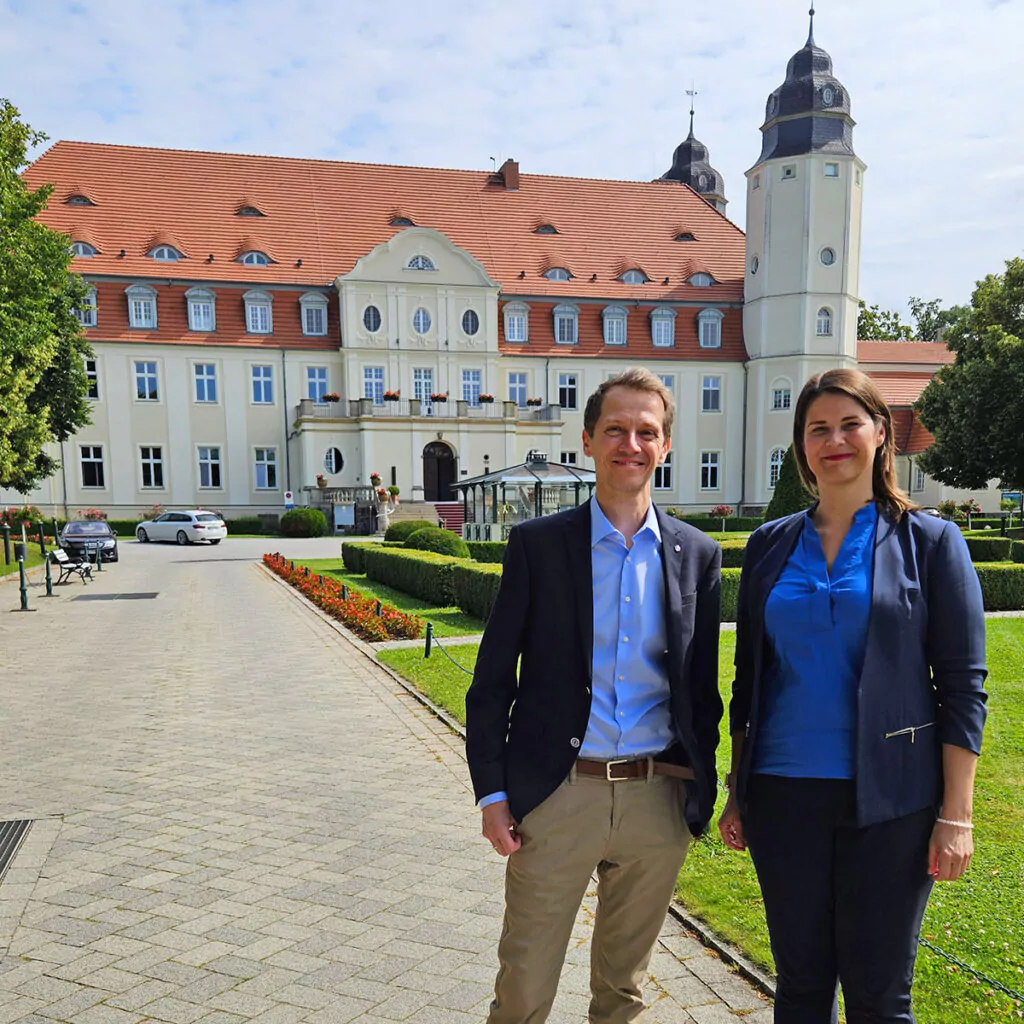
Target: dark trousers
844 904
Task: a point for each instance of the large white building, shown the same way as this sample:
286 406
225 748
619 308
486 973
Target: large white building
235 297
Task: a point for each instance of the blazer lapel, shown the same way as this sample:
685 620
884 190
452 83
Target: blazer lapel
671 566
577 539
887 570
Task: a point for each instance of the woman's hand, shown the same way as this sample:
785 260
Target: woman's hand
730 827
949 851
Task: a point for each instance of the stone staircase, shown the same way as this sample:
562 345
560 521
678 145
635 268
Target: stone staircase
450 511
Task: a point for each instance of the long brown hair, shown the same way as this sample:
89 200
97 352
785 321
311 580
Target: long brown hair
863 390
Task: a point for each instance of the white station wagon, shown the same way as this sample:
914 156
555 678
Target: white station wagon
183 527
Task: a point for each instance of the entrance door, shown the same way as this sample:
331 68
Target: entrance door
438 472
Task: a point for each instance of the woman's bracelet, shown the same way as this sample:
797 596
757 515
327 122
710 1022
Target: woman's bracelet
956 824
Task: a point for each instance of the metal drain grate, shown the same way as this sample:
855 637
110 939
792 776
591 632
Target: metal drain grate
11 835
116 597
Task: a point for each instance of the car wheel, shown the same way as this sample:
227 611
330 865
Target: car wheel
217 541
182 537
142 535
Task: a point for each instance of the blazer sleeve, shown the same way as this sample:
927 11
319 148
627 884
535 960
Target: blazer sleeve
955 642
493 690
743 681
707 701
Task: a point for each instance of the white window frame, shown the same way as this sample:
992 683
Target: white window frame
165 254
709 328
568 458
423 388
373 384
265 458
634 276
83 250
663 336
919 478
757 182
711 387
198 299
517 388
314 378
422 321
775 466
614 324
701 279
558 274
780 398
212 462
421 261
462 323
92 459
669 380
788 172
823 327
711 461
379 315
261 376
831 170
567 316
254 258
663 474
204 376
516 315
570 384
308 303
155 465
92 376
141 297
147 374
256 303
472 384
86 313
330 463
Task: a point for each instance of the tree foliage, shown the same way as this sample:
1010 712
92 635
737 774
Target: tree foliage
975 407
877 324
789 495
42 377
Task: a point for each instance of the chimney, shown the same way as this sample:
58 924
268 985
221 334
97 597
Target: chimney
509 172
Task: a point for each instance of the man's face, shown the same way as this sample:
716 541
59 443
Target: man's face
629 440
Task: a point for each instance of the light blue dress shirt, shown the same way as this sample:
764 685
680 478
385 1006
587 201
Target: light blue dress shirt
630 714
817 622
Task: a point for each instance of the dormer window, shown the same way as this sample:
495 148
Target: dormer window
420 263
634 277
165 254
249 211
141 307
85 314
558 274
685 236
79 200
259 312
202 310
701 280
567 320
313 306
401 222
83 249
546 229
254 258
613 319
709 328
663 327
517 322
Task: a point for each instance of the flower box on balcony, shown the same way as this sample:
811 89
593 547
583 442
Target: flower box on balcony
330 396
439 397
535 401
392 396
485 399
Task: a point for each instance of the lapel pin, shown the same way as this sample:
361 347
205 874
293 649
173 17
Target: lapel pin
678 548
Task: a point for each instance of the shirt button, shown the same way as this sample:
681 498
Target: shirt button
625 639
622 714
627 600
574 742
621 678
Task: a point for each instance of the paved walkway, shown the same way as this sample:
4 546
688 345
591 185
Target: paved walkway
238 817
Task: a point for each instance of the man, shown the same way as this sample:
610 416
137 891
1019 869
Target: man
601 754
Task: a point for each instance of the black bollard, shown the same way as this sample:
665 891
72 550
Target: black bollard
99 557
7 544
379 607
321 579
344 592
56 530
23 586
49 578
42 537
429 640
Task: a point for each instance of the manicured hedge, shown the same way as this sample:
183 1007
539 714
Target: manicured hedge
303 522
123 527
420 573
247 524
476 587
352 554
989 549
487 550
732 553
405 528
733 524
1002 586
730 593
441 542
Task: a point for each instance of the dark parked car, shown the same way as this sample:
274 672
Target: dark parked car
81 537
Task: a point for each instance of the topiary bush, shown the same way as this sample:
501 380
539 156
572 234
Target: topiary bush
441 542
1002 586
989 549
245 524
789 495
420 573
303 522
732 553
476 587
403 530
730 594
487 550
352 554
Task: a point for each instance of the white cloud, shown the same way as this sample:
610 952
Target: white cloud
594 89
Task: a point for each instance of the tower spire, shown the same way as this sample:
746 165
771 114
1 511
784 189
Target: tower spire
810 31
691 92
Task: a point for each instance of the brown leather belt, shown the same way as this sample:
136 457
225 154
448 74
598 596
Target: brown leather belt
624 770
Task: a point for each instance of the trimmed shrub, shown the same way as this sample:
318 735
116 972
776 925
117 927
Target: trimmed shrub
1002 586
441 542
730 593
245 524
303 522
393 543
420 573
476 587
487 550
123 527
734 524
989 549
352 554
789 495
403 530
732 553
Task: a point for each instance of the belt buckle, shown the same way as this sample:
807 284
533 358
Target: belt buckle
608 768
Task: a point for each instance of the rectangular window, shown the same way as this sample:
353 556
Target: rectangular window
568 458
517 389
152 465
711 333
757 181
565 329
471 380
200 316
614 330
781 398
263 385
788 172
206 382
663 331
266 469
709 465
145 382
918 478
567 390
314 320
92 375
86 313
92 465
668 380
663 475
209 466
373 384
711 394
831 170
257 317
316 382
515 327
143 313
423 388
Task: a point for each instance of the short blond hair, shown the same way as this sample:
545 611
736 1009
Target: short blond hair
638 378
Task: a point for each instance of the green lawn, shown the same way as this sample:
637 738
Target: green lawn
979 919
447 621
33 559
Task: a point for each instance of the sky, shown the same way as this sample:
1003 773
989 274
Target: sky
588 88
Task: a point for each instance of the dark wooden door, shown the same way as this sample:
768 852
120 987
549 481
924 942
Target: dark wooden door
438 472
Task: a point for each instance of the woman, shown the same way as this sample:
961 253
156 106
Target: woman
856 715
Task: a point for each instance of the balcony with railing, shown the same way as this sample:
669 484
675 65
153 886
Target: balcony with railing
355 408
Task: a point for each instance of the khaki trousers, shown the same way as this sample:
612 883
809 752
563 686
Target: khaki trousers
634 835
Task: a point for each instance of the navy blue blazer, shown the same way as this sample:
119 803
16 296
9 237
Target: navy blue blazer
924 662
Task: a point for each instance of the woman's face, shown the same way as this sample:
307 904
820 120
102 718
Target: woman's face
840 441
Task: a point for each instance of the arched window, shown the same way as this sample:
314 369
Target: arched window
782 394
663 327
334 461
254 258
313 308
685 236
79 200
165 254
775 466
709 328
85 314
701 280
202 309
613 319
824 320
249 211
545 229
567 319
141 307
259 312
401 222
421 321
83 249
371 319
421 263
558 274
634 277
517 322
470 322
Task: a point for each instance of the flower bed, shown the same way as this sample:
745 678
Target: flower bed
356 612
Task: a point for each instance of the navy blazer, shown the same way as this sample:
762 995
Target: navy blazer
528 707
924 661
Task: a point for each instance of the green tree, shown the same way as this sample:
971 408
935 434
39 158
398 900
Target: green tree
975 407
877 324
930 320
42 378
789 495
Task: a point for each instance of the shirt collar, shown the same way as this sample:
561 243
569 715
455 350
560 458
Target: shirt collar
868 512
600 527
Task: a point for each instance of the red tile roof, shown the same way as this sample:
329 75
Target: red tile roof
328 214
901 389
933 352
911 437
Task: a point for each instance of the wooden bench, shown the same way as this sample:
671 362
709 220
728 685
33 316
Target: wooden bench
70 566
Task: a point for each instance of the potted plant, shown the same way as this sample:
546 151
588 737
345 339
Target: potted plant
330 396
535 401
321 481
439 396
947 508
382 494
375 479
392 396
484 399
393 492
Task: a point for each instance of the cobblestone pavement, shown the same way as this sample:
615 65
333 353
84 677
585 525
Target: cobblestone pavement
238 817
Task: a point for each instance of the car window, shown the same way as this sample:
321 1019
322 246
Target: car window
207 517
167 517
88 529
